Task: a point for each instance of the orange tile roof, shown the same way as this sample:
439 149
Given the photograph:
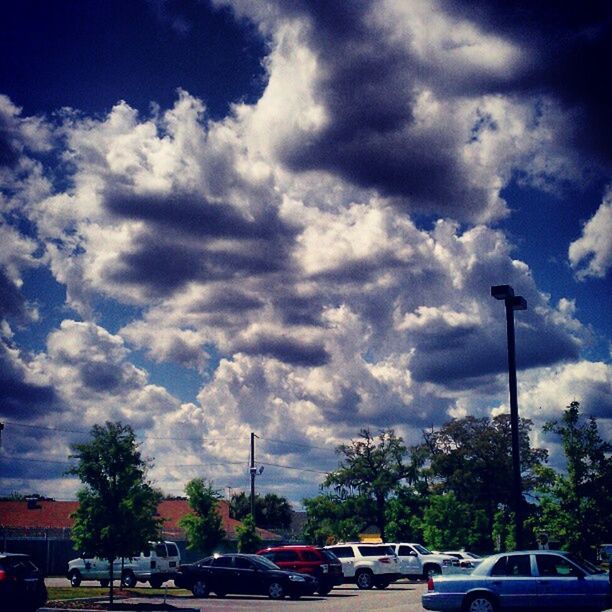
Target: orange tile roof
56 515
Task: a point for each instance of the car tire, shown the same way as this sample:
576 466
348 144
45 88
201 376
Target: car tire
220 594
324 590
200 588
75 578
128 580
276 590
155 582
480 602
383 584
104 582
364 579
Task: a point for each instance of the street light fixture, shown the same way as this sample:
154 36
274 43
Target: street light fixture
513 302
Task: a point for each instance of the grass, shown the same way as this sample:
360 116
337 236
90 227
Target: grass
81 592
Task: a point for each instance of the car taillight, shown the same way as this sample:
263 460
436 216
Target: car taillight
3 576
324 568
385 560
430 584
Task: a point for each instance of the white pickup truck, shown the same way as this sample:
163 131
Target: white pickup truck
416 561
155 565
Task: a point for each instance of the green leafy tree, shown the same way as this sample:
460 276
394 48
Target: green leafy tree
203 525
271 511
248 538
333 519
576 507
372 467
117 505
472 458
404 515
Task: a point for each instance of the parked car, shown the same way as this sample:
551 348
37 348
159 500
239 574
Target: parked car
242 574
319 563
155 565
536 580
367 565
467 560
604 553
416 561
22 585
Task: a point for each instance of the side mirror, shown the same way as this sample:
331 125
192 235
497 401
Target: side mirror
412 554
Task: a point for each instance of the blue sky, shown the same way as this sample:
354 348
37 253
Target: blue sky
285 217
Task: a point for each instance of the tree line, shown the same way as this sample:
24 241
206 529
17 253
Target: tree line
450 491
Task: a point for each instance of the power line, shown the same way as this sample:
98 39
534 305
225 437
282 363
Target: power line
290 443
146 437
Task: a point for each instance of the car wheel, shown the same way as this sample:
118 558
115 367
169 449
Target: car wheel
364 579
220 594
104 583
200 588
128 580
276 590
480 603
75 578
155 582
324 590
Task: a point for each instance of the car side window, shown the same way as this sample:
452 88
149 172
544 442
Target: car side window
515 565
308 555
172 550
555 566
270 555
222 562
242 563
343 552
160 550
286 555
404 551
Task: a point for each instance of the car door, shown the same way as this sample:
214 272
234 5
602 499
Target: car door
245 577
560 582
222 575
287 560
161 558
512 579
347 558
309 562
408 560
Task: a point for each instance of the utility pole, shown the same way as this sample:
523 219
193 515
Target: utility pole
253 471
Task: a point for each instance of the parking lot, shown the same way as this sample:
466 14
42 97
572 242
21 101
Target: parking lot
403 595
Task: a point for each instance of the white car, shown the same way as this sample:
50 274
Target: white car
416 561
467 560
367 565
155 565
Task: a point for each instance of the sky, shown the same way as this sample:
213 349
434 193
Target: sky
285 217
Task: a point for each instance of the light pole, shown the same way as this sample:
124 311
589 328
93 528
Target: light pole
513 302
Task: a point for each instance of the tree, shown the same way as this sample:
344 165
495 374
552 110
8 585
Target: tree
575 507
372 467
117 505
472 458
451 524
203 526
248 538
271 511
333 519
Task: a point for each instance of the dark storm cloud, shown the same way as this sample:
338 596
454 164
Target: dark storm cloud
572 42
227 300
467 353
102 377
19 398
287 350
192 215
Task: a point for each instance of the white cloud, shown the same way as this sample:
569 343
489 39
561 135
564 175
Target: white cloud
591 254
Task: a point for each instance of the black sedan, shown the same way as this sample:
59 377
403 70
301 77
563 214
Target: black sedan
22 585
242 574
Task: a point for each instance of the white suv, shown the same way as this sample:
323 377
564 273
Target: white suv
367 565
415 561
155 565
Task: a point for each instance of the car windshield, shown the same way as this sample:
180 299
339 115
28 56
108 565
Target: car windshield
471 555
585 565
263 562
421 549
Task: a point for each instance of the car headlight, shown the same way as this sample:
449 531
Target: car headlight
296 578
